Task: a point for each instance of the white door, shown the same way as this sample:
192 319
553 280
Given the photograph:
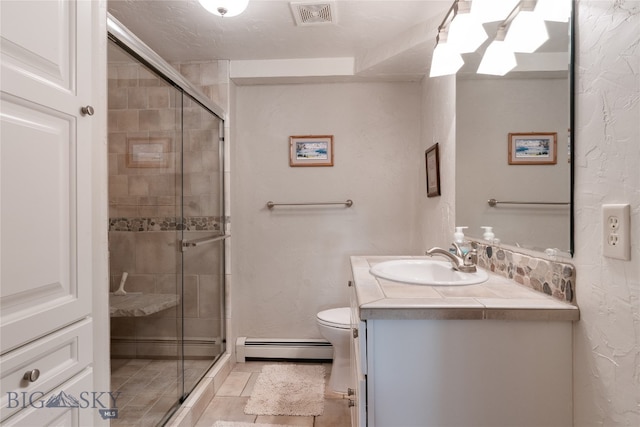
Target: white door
45 167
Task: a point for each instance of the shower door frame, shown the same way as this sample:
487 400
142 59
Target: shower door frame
130 43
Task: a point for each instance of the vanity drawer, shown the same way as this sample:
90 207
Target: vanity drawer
40 415
50 360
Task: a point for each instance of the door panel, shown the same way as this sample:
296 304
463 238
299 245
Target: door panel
34 142
45 168
48 60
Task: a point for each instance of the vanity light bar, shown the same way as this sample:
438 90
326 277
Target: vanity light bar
527 30
445 59
466 33
523 30
499 58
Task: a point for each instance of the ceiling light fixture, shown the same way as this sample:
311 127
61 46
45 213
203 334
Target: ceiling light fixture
498 59
522 30
446 59
492 10
465 33
527 32
225 8
554 10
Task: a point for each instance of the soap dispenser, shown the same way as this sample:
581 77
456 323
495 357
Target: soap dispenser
488 234
458 236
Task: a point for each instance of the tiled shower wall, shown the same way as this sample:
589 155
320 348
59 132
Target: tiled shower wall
144 204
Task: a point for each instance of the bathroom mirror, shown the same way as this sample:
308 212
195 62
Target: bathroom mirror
528 108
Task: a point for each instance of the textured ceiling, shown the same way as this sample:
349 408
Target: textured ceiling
389 39
182 30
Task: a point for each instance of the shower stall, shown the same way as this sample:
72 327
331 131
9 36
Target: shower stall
166 230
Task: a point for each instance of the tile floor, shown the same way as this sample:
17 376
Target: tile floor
148 388
231 398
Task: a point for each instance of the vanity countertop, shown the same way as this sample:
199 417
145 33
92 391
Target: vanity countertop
496 299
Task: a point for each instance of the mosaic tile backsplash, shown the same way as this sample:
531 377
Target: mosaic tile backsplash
550 277
202 223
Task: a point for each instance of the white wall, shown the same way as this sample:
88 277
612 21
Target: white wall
607 338
437 215
487 111
289 263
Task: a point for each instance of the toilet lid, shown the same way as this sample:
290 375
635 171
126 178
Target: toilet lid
336 317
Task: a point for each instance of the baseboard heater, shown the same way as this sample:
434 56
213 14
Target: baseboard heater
282 348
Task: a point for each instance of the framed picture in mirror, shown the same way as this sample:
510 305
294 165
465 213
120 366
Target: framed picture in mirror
432 162
533 148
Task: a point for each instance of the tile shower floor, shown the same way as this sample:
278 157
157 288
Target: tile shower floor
230 400
148 388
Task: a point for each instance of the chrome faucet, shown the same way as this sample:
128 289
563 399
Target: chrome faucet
465 263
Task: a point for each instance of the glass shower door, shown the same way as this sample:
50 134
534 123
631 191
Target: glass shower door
166 238
145 207
203 245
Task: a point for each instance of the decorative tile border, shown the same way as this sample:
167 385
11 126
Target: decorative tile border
195 223
550 277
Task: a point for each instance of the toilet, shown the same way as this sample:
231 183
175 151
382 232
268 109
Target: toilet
335 327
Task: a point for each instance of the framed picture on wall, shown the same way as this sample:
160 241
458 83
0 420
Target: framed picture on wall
432 162
148 152
533 148
311 150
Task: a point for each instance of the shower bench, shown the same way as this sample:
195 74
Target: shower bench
138 304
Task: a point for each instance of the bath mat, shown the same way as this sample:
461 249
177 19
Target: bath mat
296 390
241 424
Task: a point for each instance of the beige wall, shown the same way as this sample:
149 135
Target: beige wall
290 263
438 125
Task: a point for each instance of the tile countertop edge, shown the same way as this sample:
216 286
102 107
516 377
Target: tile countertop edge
528 306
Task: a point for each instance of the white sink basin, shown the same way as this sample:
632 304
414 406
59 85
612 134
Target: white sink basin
426 272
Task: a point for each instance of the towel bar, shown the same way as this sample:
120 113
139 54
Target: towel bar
348 204
493 202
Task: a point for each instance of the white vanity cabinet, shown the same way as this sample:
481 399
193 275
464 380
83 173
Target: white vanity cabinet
357 391
495 354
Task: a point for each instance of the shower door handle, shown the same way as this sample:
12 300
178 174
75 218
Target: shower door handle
186 244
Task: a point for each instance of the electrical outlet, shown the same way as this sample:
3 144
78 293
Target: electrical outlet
616 231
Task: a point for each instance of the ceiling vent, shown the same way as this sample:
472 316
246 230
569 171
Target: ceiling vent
316 13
